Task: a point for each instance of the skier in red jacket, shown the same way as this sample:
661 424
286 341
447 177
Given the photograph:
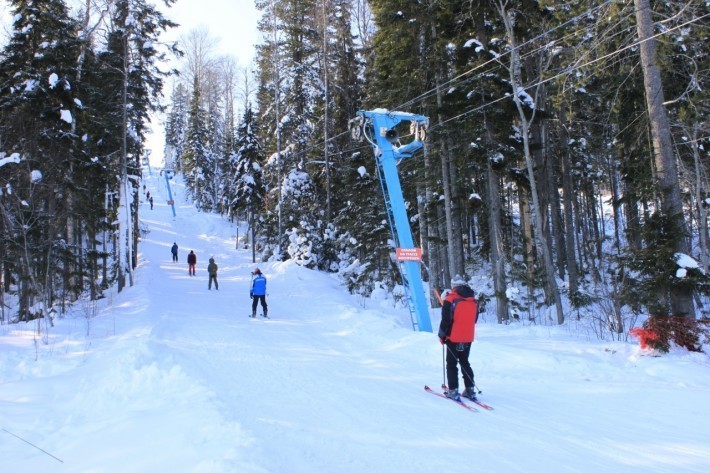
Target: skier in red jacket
459 313
191 262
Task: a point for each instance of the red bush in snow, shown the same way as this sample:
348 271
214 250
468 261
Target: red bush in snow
658 333
648 338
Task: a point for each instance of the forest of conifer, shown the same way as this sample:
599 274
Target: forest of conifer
564 171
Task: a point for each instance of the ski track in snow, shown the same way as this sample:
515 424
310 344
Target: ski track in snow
169 376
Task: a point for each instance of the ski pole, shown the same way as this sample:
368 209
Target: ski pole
443 364
473 382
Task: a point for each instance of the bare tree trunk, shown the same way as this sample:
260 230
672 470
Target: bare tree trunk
253 235
453 237
681 298
495 227
590 197
423 206
552 291
568 207
430 243
456 246
444 269
449 180
364 23
326 104
424 244
542 178
136 226
700 201
556 216
528 237
633 219
616 197
277 119
496 241
125 256
2 293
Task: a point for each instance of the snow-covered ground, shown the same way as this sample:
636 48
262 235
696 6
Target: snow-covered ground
168 376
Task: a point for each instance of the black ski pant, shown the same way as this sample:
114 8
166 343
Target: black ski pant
457 354
175 258
255 300
213 277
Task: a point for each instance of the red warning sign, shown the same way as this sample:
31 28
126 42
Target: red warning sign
409 254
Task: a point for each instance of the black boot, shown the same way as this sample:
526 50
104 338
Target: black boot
453 393
470 393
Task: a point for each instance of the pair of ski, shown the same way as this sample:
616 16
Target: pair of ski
260 316
460 403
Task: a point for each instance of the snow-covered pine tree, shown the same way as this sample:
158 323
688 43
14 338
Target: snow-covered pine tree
176 127
228 72
133 85
341 91
303 228
289 88
246 189
37 108
214 103
365 239
195 155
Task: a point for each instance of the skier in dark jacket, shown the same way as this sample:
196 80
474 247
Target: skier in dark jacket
212 270
191 262
174 251
258 292
459 313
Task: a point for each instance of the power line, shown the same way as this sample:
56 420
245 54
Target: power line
570 70
496 59
460 77
463 76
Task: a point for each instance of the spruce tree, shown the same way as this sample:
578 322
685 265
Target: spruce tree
37 110
247 191
176 128
196 154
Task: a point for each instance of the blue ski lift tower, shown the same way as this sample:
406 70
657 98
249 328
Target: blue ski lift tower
379 127
169 173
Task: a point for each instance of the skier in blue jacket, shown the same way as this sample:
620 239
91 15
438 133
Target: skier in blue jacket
258 292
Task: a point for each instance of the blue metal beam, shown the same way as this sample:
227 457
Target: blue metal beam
379 126
170 193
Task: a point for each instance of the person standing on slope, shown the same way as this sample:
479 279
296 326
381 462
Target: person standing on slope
459 314
174 251
191 262
258 292
212 270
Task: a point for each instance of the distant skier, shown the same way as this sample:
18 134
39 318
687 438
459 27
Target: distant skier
212 270
151 202
191 262
174 251
258 292
459 314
